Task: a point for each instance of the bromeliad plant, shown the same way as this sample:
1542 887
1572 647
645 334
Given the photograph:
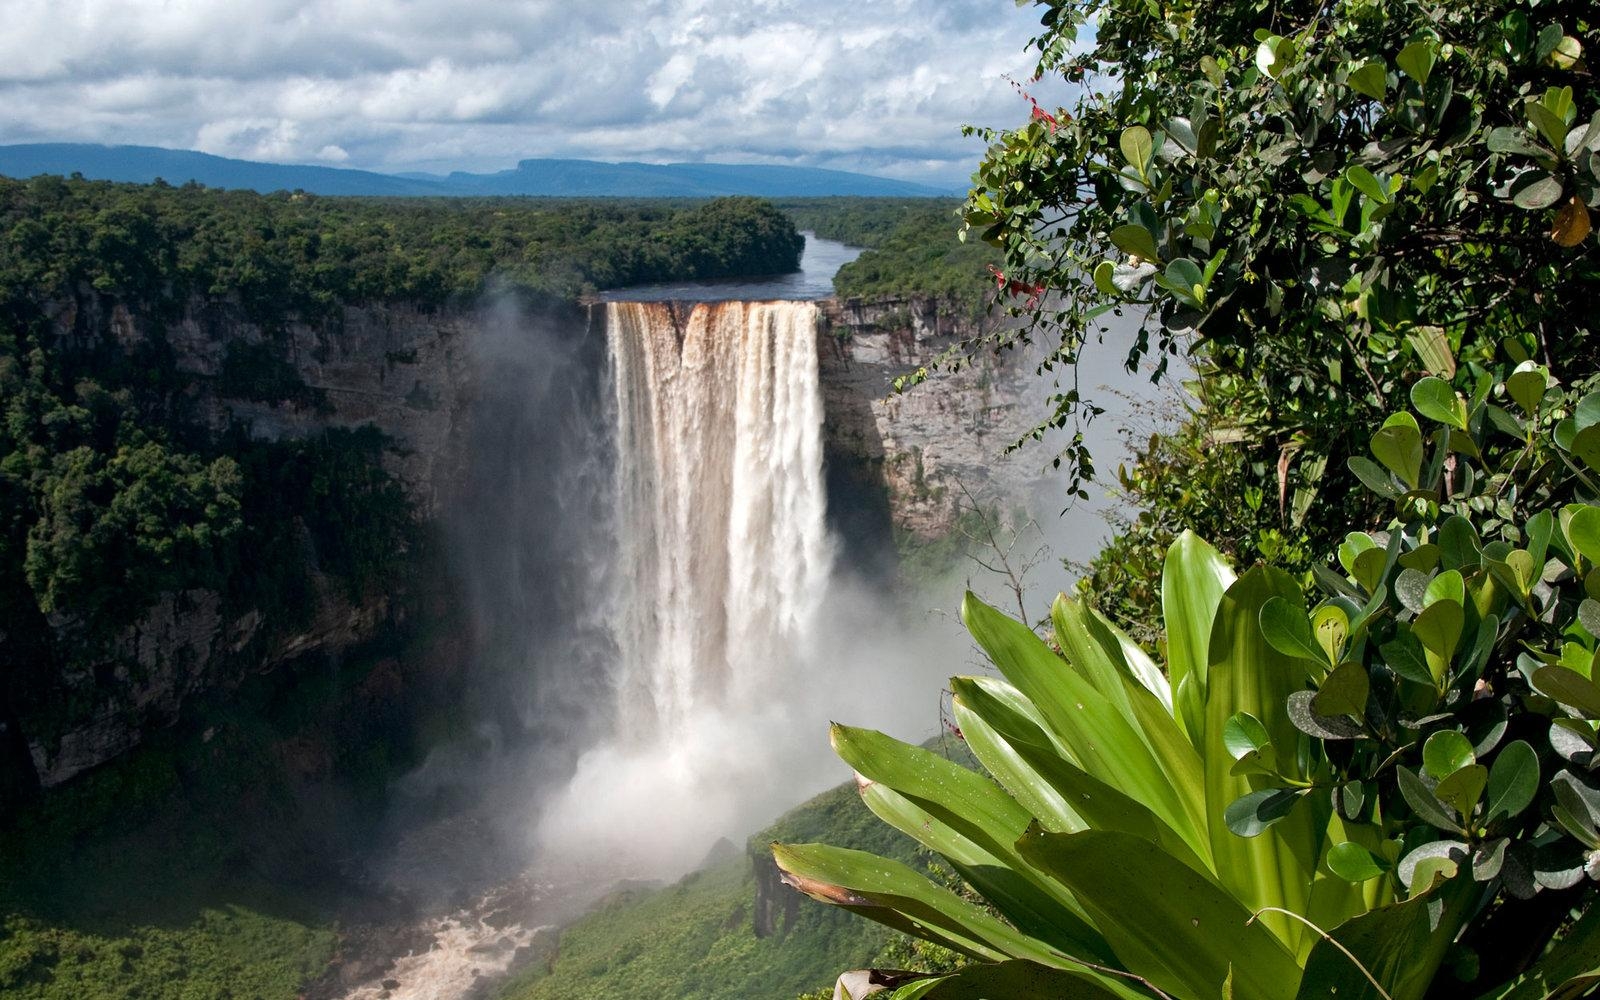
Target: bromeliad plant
1389 794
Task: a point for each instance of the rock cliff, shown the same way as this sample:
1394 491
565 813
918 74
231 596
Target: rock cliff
897 463
922 446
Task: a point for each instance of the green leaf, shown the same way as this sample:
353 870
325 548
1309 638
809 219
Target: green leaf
1586 446
1424 803
1507 139
1250 815
1362 180
1303 717
1372 477
1432 345
1170 924
1244 733
1463 789
1438 628
1194 577
1247 675
1589 616
1344 692
1416 60
891 893
1436 400
1354 863
1183 277
1401 945
1100 735
1135 240
1404 656
1033 768
1549 124
1370 79
1513 781
1012 979
1583 531
1447 586
1288 630
1569 688
1398 445
1536 191
1587 412
1102 278
1445 753
1458 543
1136 145
1527 386
1330 624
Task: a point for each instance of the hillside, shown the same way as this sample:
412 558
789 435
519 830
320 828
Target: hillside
728 932
534 177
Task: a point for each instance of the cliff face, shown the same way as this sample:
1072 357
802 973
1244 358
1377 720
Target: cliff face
404 371
922 446
422 378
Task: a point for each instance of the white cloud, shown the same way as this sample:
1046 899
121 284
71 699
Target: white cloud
433 84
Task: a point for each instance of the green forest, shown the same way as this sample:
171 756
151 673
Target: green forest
1321 721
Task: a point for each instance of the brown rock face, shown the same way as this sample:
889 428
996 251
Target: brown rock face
923 444
414 374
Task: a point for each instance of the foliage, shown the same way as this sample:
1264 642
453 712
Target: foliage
911 249
298 254
1320 202
1457 711
1290 769
697 938
201 863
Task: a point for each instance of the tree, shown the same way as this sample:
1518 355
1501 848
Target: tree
1320 202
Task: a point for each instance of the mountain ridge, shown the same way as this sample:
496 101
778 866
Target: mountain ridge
537 177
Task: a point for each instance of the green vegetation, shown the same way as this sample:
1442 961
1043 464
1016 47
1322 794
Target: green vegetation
296 254
200 865
1408 765
698 938
1319 214
1376 774
115 489
912 248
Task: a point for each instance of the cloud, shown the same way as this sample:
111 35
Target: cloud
436 85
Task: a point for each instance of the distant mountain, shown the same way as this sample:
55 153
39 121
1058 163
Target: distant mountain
143 164
550 178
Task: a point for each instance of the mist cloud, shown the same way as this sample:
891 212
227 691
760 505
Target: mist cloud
437 85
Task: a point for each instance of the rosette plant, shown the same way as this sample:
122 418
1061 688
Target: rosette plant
1389 792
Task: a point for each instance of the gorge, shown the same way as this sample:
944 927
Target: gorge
513 578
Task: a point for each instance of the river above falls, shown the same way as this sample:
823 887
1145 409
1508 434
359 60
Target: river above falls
819 262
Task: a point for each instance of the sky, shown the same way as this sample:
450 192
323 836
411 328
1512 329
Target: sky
877 86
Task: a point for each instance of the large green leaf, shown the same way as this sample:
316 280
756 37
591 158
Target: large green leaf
972 822
1098 736
1193 580
974 700
893 894
1248 675
1033 903
1164 920
1016 979
1083 649
1098 804
1400 945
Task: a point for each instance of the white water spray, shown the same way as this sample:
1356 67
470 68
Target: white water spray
722 567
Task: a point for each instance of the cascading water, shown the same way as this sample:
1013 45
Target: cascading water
723 553
722 563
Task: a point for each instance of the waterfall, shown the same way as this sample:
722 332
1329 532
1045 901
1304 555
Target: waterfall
720 514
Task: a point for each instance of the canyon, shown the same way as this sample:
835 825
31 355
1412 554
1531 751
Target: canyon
897 465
